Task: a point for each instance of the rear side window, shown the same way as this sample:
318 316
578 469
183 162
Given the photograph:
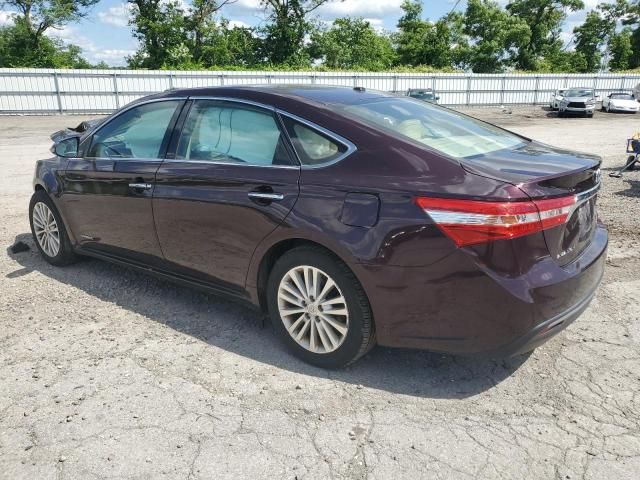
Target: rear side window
137 133
312 146
224 132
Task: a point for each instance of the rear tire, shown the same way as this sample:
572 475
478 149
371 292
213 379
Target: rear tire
339 339
48 231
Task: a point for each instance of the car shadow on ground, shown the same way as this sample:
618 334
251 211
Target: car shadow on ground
240 329
634 186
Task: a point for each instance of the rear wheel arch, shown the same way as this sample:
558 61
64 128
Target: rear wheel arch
276 251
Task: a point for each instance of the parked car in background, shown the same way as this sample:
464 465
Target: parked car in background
556 98
620 102
578 101
352 217
424 94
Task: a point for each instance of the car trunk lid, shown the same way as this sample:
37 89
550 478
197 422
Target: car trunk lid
545 172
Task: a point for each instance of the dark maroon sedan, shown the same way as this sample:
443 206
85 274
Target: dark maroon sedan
352 217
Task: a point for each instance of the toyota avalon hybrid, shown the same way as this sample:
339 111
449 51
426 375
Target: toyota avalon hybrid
350 216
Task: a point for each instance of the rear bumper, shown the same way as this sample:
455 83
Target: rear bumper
459 306
545 330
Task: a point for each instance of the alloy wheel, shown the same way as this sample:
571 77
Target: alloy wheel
313 309
46 229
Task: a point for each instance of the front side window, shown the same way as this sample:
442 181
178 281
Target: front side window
313 147
137 133
441 129
224 132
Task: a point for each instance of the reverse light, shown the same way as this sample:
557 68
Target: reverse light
469 222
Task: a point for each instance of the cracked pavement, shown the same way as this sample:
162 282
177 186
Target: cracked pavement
108 373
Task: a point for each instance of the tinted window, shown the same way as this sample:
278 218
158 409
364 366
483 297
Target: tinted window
231 133
422 95
442 129
136 133
313 147
579 92
622 96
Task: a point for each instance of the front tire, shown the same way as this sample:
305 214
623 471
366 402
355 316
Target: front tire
49 232
319 309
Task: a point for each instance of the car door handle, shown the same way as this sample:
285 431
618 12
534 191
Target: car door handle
140 186
268 196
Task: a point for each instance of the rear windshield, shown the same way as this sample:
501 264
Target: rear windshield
441 129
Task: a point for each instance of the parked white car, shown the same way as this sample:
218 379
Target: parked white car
620 102
556 98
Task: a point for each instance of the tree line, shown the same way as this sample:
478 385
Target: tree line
524 35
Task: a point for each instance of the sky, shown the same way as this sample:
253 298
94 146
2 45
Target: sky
105 36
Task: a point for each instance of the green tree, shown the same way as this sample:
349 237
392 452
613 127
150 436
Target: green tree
628 13
161 28
419 42
590 37
563 61
284 35
352 43
621 50
226 46
495 36
25 43
18 48
544 19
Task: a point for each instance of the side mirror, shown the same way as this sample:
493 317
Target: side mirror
437 98
67 148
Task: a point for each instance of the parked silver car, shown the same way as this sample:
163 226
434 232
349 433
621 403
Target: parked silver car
580 101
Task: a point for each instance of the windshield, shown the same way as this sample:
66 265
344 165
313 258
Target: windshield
441 129
579 92
622 96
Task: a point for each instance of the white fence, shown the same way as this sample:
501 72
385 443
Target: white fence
102 91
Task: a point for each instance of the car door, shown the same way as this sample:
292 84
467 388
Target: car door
231 181
107 193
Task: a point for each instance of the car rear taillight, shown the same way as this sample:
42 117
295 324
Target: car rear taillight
469 222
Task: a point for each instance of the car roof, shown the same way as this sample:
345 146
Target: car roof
327 95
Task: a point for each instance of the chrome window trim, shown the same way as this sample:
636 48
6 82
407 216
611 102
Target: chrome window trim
351 148
236 100
210 162
125 109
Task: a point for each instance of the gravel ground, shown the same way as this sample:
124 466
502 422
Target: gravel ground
107 373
